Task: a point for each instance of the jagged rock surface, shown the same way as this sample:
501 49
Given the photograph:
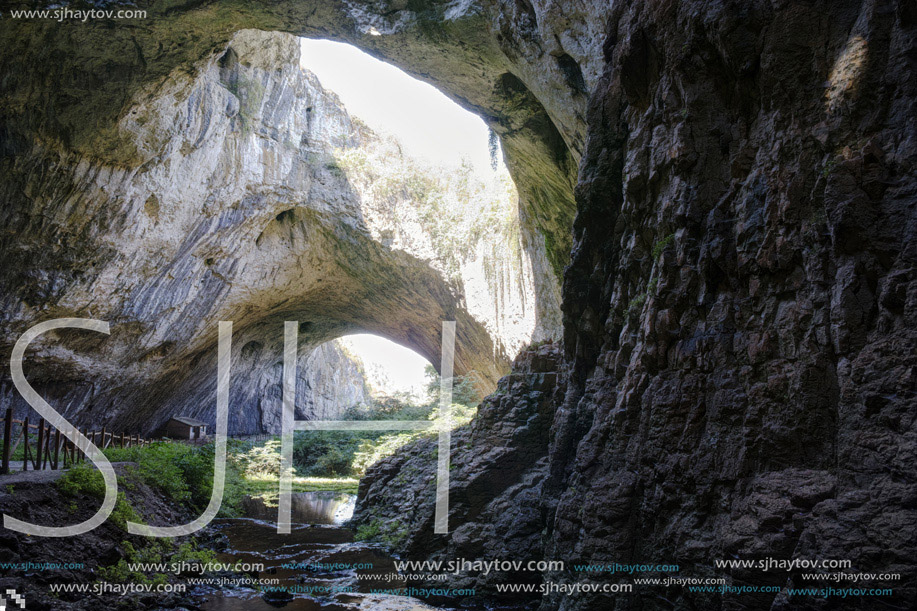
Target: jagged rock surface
498 466
244 213
740 304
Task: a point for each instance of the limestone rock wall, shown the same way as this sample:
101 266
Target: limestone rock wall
329 381
739 308
739 304
739 371
242 212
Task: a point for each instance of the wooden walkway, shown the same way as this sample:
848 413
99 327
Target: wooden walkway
52 449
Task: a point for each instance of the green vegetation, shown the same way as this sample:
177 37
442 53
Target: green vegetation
85 479
662 244
258 465
493 147
456 209
390 532
322 460
537 344
335 168
651 286
19 452
350 453
154 551
635 305
335 460
183 473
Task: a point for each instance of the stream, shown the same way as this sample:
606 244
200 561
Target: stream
317 567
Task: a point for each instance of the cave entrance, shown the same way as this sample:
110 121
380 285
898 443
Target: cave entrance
430 188
372 379
411 216
283 206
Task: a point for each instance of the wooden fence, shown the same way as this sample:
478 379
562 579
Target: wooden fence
52 449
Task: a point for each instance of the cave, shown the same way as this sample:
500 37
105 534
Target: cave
716 203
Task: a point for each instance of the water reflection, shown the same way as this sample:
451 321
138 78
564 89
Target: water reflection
322 507
317 567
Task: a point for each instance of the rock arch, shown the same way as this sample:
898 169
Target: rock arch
166 218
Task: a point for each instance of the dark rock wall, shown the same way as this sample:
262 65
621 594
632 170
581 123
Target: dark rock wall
498 469
740 332
739 362
740 305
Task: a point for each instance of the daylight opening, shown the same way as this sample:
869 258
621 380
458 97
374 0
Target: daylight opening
375 379
432 187
430 127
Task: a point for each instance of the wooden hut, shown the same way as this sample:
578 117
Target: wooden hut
182 427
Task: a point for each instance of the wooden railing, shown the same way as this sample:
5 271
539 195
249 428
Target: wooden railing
52 449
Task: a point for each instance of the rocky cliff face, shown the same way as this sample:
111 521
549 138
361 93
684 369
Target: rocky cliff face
742 377
246 211
738 368
329 381
739 309
498 469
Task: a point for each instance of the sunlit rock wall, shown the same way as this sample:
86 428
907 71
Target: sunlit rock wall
242 212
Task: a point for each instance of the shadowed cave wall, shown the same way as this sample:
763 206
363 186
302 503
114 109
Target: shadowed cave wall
737 372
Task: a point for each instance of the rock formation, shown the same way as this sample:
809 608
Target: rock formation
251 208
498 470
329 381
739 309
738 366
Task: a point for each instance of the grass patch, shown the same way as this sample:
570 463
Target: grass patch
662 244
83 479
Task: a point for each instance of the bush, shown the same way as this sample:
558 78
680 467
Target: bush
258 460
327 453
154 551
464 390
84 479
121 572
183 473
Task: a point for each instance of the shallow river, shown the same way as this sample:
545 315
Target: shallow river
318 566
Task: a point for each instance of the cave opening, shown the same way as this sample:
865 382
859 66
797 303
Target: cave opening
370 379
430 181
263 198
429 199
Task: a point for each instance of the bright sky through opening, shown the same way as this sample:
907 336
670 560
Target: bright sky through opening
432 128
389 367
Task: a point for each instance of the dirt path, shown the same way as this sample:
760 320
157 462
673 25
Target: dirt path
18 476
